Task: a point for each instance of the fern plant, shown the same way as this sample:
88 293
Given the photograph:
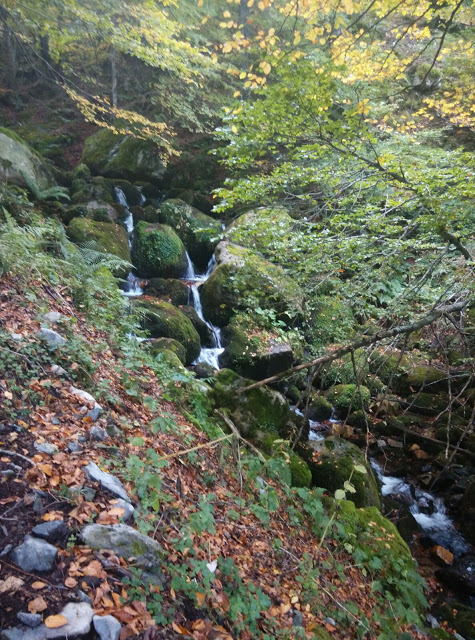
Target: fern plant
42 195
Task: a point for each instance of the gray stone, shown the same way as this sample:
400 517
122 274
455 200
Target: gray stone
297 620
51 531
17 159
52 317
58 371
98 434
82 439
74 447
127 507
88 399
31 620
107 627
87 492
34 555
124 541
16 336
53 338
6 550
8 473
106 480
38 506
46 447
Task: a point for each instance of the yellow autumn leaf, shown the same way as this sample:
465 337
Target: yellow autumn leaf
53 622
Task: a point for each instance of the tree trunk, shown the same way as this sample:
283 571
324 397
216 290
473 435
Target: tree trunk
114 76
244 13
10 48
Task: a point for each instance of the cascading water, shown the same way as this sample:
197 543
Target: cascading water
209 355
428 511
132 287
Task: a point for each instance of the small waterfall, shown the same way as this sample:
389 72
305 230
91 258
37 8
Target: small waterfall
210 355
132 287
429 511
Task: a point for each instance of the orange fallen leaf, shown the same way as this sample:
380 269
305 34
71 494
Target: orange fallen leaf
37 605
53 622
181 630
38 585
70 583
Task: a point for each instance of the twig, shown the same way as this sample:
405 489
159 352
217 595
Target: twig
18 455
200 446
236 433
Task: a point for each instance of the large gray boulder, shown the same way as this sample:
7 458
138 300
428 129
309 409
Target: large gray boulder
18 160
125 542
106 480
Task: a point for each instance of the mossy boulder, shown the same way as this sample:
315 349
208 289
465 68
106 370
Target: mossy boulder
199 232
319 409
266 229
260 408
169 289
163 320
347 398
332 462
460 617
300 473
97 188
244 280
115 156
254 352
157 251
158 345
108 237
428 404
146 214
20 164
405 373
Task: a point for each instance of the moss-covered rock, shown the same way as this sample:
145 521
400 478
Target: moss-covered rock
171 359
158 345
169 289
163 320
20 164
300 473
347 398
255 352
260 408
428 404
244 280
460 617
319 409
146 214
114 156
158 251
98 188
81 172
199 232
332 462
107 237
405 373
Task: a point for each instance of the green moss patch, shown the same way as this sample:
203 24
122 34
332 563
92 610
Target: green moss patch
158 251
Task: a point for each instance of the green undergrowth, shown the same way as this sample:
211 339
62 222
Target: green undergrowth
344 537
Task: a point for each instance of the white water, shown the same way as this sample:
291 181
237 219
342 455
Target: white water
315 432
209 355
429 511
132 285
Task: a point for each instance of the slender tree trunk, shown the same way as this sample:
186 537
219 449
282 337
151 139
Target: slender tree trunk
114 76
244 13
10 48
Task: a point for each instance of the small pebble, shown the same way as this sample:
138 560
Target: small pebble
31 620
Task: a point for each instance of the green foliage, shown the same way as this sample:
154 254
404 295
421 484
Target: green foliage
158 251
348 397
42 195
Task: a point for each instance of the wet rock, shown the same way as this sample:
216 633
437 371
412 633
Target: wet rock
98 434
461 576
203 370
106 480
34 555
53 338
53 531
124 541
31 620
46 447
107 627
